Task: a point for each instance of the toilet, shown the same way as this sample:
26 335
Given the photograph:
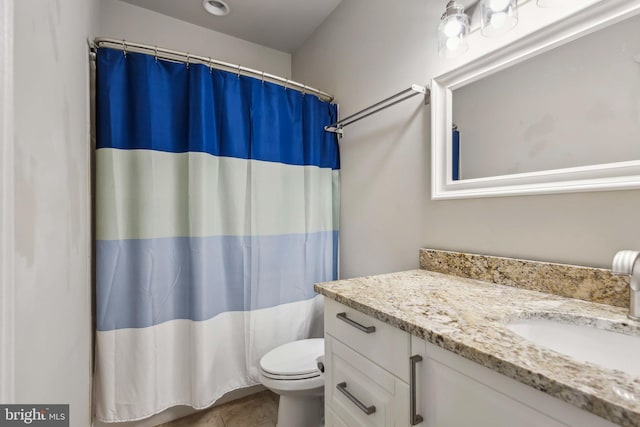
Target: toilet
292 372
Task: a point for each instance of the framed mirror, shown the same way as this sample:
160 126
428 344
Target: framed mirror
556 111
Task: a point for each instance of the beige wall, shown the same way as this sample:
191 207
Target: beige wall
125 21
52 204
369 49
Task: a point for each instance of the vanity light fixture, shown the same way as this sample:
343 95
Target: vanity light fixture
498 16
216 7
453 31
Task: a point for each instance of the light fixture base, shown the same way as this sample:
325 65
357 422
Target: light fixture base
216 7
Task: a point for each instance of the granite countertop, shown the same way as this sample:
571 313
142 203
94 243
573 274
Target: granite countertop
469 317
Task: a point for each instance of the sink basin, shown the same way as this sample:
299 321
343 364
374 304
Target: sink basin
609 349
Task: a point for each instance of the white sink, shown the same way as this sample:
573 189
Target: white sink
609 349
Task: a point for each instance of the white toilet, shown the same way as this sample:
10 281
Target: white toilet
291 371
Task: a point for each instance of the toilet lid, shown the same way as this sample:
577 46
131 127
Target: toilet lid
294 358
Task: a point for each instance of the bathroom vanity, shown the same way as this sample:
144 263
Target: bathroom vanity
426 348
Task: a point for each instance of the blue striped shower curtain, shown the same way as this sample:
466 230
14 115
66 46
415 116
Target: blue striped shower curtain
216 211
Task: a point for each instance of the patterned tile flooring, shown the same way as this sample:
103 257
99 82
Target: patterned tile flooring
257 410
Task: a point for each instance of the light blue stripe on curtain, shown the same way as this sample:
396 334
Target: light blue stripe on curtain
150 281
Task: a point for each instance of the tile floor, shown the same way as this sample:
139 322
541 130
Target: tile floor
258 410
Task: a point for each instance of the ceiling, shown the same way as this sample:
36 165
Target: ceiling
280 24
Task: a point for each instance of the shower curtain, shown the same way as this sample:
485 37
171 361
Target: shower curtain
216 211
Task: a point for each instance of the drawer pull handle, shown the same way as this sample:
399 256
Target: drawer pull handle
415 418
366 409
365 329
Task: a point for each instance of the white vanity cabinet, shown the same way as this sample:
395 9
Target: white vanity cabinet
369 376
455 392
366 370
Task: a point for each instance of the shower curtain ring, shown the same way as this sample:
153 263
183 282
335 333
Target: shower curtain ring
304 90
188 59
285 84
210 65
156 52
263 77
124 48
238 71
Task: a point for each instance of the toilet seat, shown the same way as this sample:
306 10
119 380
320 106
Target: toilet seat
291 371
293 361
310 386
290 377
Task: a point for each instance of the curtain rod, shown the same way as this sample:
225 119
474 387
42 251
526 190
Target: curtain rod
174 55
384 104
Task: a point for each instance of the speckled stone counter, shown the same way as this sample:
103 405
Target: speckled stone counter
572 281
469 317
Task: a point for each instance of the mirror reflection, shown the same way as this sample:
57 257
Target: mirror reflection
575 105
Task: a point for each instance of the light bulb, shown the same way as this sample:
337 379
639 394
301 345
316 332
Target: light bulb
498 5
453 43
452 28
498 16
452 31
498 20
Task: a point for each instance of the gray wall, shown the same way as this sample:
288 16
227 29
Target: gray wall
52 204
125 21
369 49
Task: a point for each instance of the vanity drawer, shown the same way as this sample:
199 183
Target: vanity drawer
332 420
360 393
387 346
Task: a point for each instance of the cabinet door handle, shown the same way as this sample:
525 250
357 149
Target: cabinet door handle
365 329
415 418
342 387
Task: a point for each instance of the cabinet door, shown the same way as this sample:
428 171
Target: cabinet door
361 393
455 400
455 392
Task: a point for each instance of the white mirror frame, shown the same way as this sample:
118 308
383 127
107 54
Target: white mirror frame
609 176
